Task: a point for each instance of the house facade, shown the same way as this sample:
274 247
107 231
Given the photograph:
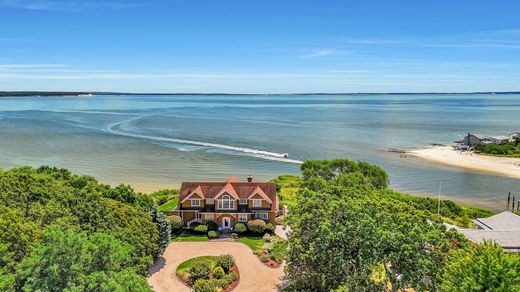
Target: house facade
227 203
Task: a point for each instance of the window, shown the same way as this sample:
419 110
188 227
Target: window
242 217
226 203
257 203
209 216
243 201
195 202
210 201
262 216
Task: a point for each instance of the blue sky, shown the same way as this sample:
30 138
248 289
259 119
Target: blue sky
277 46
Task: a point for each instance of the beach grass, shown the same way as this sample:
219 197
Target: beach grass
170 205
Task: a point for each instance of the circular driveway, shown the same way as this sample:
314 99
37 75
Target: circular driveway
254 275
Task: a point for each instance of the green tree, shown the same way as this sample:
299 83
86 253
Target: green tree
69 260
482 268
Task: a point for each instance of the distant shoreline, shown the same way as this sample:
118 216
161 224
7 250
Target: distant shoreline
503 166
95 93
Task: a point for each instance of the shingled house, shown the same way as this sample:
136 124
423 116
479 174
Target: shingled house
228 202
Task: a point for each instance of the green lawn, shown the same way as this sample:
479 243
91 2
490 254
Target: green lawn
211 260
189 236
256 243
170 205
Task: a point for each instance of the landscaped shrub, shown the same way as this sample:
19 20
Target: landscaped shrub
194 224
234 235
240 228
199 270
218 272
175 222
226 262
278 220
265 258
212 225
201 228
203 285
229 278
267 237
257 225
212 234
269 227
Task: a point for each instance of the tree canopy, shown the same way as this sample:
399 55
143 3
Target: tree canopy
47 214
351 233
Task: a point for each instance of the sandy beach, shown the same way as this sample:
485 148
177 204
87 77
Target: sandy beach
503 166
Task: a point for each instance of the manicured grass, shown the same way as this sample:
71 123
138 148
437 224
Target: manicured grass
189 236
170 205
256 243
184 266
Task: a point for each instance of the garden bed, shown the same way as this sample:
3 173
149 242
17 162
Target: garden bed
270 249
209 272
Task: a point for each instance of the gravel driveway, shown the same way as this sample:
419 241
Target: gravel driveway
254 275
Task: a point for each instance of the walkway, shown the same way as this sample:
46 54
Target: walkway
254 275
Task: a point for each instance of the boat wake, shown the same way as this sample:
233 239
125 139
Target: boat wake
115 129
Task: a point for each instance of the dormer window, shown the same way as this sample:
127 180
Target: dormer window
195 202
257 203
243 201
226 202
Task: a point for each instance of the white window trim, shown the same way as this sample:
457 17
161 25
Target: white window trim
195 200
243 201
242 217
256 201
261 216
230 201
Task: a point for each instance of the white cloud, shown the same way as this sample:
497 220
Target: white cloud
324 53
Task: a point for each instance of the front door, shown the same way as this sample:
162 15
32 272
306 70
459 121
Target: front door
226 223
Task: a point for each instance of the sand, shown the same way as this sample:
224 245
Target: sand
503 166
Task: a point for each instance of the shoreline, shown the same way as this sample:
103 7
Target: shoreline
502 166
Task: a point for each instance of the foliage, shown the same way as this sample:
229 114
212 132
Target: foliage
212 234
31 200
482 268
91 263
511 149
323 171
212 225
175 222
165 230
201 228
375 230
269 227
234 235
203 285
226 262
256 225
199 270
218 272
240 228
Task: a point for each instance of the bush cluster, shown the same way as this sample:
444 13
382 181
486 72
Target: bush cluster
212 225
175 222
212 234
256 225
201 228
226 262
240 228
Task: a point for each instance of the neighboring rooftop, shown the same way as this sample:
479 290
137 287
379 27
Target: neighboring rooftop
505 221
508 240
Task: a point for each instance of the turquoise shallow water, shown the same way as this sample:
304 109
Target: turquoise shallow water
159 141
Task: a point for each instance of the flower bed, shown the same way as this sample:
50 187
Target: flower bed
209 273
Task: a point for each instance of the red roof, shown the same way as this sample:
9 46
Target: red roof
242 190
